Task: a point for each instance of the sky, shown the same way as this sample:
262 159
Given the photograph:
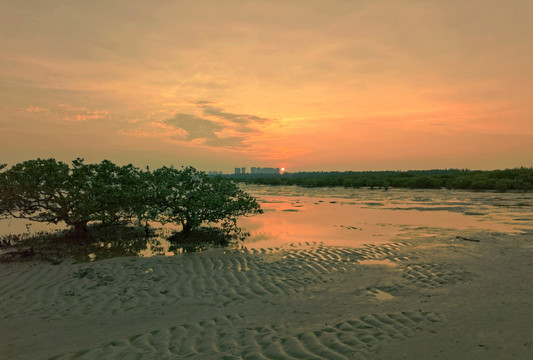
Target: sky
309 85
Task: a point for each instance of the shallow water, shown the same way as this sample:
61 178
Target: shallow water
352 217
295 216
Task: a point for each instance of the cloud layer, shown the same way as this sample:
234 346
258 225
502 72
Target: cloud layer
305 84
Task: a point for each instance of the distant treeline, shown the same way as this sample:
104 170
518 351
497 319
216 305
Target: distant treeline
519 179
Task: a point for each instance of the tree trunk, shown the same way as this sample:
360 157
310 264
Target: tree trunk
80 226
186 228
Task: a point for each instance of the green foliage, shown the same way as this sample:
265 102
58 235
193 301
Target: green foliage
191 198
52 191
518 179
37 190
112 193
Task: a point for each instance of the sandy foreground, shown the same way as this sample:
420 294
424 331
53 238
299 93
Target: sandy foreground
430 298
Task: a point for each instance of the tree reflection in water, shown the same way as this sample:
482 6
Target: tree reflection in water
204 238
102 242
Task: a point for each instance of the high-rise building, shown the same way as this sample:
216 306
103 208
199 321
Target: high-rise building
265 170
257 170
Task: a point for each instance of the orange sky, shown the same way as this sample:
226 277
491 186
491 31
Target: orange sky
305 84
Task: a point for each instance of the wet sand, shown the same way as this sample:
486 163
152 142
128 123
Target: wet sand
442 298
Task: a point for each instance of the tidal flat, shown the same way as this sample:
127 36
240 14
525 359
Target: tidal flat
328 273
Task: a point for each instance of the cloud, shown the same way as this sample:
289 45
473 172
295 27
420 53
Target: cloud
242 119
195 127
70 113
37 109
217 128
228 142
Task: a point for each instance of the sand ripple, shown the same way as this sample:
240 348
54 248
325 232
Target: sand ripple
309 302
228 338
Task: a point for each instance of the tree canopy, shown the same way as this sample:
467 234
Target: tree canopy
190 197
51 191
